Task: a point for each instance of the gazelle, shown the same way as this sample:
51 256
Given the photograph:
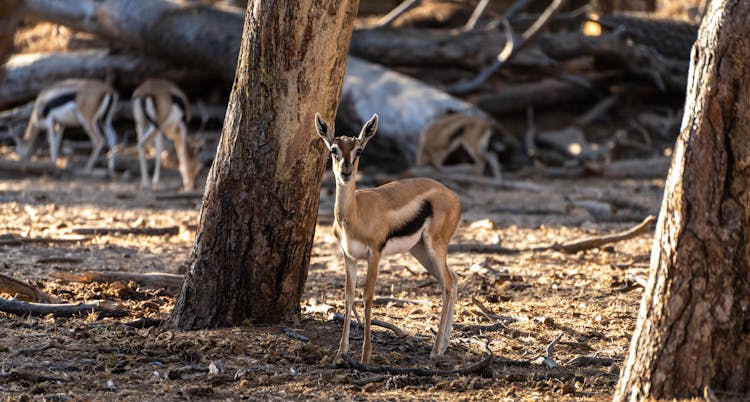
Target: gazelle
160 107
417 215
455 130
87 103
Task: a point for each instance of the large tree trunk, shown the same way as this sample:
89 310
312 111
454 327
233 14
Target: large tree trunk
693 329
10 15
259 211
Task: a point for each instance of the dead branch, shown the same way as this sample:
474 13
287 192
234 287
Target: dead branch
10 239
509 51
144 322
32 378
338 317
152 280
183 195
479 248
478 11
599 241
387 19
29 167
656 167
169 230
474 368
58 310
58 260
25 291
587 361
294 335
547 360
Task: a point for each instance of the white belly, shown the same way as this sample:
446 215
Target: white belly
401 244
65 114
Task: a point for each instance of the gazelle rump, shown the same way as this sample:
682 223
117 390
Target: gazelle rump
160 107
416 215
87 103
448 133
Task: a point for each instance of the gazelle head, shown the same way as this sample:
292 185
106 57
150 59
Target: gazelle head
345 151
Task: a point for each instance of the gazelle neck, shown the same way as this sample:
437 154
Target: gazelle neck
346 201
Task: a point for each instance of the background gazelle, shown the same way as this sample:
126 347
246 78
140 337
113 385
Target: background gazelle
73 102
455 130
416 215
159 106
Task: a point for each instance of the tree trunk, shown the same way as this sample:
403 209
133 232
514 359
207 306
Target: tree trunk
10 15
693 329
259 211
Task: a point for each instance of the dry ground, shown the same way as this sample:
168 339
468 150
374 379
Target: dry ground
589 297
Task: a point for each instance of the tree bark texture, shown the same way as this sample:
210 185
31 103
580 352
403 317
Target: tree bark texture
10 16
693 330
259 210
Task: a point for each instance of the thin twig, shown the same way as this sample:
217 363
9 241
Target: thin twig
478 11
388 19
294 335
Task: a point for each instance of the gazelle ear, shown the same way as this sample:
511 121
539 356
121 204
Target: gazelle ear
321 126
368 130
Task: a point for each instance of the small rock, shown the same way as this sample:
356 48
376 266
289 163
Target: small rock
216 367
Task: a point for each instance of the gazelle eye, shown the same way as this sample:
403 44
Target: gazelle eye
333 152
359 152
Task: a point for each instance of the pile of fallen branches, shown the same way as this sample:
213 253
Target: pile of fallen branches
509 67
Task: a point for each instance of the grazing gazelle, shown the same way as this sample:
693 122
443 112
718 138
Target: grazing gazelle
73 102
417 215
160 107
455 130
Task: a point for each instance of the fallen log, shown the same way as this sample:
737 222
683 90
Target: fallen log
405 105
58 310
27 74
29 167
152 280
169 230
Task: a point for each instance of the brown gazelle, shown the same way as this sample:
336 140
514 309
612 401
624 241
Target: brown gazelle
160 107
87 103
455 130
416 215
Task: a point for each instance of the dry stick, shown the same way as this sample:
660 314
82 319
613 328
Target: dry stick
547 360
487 312
17 375
420 372
396 330
24 290
11 240
478 11
292 334
59 260
152 279
144 322
58 310
531 150
598 241
388 19
509 51
169 230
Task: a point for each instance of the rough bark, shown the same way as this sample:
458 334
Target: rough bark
10 15
693 329
258 216
27 74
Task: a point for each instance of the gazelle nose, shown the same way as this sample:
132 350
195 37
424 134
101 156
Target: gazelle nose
346 175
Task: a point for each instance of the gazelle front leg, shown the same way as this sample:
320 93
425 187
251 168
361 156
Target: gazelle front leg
449 290
144 135
351 283
372 276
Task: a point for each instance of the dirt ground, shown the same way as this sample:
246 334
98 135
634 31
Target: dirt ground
529 298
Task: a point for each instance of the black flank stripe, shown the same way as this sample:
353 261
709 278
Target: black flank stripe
57 102
151 119
413 225
181 104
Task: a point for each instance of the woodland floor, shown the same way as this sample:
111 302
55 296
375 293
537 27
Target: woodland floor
591 297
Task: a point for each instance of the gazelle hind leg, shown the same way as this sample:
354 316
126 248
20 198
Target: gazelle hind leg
435 263
97 140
